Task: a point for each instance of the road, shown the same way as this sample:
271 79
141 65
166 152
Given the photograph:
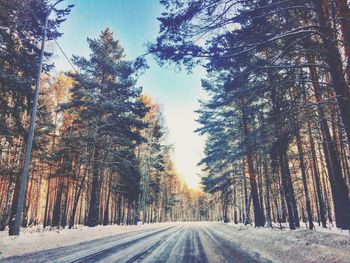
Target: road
182 242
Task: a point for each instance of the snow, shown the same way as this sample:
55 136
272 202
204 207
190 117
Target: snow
331 228
178 242
302 245
35 239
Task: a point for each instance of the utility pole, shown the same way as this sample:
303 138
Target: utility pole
25 172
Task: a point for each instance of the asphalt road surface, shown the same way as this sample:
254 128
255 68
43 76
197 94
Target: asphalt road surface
183 242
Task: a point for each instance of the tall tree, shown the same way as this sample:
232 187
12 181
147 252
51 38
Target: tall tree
105 99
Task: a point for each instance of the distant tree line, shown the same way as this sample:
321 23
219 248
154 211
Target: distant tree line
277 119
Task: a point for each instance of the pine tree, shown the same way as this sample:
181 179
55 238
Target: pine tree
262 48
105 100
20 35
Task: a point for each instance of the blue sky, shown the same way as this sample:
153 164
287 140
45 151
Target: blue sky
134 23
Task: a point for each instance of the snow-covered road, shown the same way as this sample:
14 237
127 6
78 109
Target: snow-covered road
182 242
176 242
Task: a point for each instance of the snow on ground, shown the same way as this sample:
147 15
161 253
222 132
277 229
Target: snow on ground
179 242
331 228
302 245
34 239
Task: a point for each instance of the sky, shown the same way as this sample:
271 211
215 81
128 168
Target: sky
134 23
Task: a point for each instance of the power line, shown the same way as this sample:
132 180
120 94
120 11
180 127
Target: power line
59 46
65 55
56 42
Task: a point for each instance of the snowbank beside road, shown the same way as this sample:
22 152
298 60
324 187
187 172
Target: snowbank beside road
289 246
36 239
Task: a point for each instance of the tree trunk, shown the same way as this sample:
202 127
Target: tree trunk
268 205
288 189
106 212
119 202
343 13
304 179
322 216
339 188
56 214
95 195
6 211
333 58
258 214
78 191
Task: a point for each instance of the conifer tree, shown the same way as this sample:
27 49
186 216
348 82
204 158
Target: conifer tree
105 100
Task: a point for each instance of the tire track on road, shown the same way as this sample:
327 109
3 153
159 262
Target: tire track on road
56 254
104 253
224 250
185 242
163 242
163 251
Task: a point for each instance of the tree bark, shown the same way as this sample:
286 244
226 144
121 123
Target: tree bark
343 13
258 214
304 179
340 190
334 61
95 195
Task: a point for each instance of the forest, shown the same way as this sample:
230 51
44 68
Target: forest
276 120
100 152
278 115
